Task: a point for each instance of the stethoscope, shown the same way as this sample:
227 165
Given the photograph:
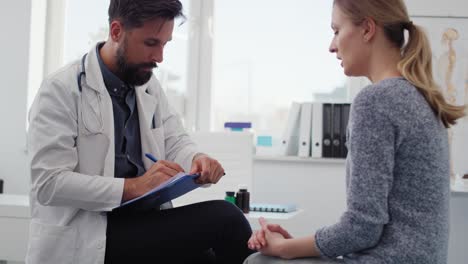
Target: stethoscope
82 73
80 78
95 126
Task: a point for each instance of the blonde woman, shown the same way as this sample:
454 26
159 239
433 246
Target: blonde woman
397 174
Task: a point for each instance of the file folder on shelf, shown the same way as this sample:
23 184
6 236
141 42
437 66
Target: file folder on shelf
305 129
327 151
289 141
336 130
317 130
176 186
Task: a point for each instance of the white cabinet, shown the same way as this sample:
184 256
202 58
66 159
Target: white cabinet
14 226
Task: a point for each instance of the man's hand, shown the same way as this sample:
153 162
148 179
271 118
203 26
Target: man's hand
160 172
210 170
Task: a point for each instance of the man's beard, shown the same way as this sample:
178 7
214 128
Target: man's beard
132 74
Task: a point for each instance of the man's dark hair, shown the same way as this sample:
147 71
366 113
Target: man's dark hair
133 13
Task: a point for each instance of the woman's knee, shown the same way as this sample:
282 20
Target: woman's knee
258 258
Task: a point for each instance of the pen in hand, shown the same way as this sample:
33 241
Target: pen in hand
151 157
154 159
167 164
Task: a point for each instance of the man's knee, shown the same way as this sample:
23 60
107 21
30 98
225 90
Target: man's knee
225 208
230 214
232 211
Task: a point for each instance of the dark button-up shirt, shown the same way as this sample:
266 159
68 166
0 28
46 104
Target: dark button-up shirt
128 158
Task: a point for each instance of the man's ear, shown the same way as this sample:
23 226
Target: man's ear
116 30
368 28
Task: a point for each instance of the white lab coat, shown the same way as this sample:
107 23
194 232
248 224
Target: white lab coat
71 146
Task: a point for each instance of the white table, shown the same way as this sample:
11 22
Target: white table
459 187
14 226
273 216
276 218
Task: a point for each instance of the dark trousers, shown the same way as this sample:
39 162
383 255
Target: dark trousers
188 234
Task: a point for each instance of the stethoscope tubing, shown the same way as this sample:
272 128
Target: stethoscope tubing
80 78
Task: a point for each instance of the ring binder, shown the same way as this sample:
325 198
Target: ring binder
289 141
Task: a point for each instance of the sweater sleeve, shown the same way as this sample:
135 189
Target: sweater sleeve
369 179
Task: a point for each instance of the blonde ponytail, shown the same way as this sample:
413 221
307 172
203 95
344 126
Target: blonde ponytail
416 67
416 62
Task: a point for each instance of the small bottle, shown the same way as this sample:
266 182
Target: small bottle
230 197
239 198
243 199
246 202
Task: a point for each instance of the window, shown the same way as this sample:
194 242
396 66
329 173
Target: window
85 22
36 48
172 73
61 32
82 34
230 61
267 54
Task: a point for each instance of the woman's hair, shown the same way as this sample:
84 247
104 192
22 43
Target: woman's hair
416 61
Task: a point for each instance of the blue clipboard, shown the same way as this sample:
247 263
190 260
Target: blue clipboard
176 186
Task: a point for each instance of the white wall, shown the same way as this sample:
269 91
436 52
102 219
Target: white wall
15 16
437 7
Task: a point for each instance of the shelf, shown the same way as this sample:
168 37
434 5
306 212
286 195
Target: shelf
456 188
299 159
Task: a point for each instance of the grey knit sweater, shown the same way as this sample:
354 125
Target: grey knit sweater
397 181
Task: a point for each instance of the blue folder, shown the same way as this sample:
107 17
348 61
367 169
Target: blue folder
176 186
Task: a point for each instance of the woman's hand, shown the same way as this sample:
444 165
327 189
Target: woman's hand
269 240
273 240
